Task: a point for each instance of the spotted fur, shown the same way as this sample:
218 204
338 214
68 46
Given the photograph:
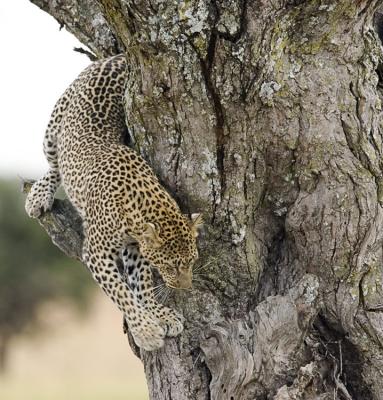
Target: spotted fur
139 276
120 201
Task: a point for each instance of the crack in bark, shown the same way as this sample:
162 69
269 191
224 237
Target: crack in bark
221 140
206 69
176 156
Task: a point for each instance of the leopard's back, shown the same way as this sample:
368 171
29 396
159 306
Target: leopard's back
94 121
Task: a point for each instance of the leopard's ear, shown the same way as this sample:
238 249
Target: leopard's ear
151 236
196 223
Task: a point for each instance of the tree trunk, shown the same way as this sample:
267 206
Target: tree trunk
265 115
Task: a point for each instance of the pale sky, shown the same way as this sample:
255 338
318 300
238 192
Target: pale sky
37 64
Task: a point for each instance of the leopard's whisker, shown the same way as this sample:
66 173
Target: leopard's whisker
203 266
160 292
159 297
200 278
165 294
157 292
157 287
150 289
200 274
196 360
161 285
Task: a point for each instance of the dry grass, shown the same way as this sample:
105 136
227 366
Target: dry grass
79 359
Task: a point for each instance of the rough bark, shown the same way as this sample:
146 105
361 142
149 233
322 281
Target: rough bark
265 116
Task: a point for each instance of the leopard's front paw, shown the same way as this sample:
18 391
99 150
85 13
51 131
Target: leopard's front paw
39 199
148 335
170 320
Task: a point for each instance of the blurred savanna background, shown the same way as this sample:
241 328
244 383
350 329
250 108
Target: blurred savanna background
60 338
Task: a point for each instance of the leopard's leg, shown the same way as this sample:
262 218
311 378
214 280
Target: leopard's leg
41 196
139 275
100 253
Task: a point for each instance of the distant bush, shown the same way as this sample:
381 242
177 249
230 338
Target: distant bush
32 270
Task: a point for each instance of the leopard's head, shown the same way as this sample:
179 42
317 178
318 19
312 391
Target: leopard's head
172 249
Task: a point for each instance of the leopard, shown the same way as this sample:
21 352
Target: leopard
126 212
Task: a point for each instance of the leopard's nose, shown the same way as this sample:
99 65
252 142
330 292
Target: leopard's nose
184 281
185 285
